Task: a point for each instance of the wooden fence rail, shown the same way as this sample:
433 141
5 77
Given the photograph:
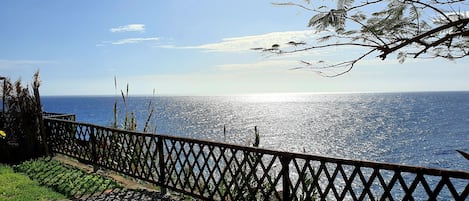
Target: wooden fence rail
220 171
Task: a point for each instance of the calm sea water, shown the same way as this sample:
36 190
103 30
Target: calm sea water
408 128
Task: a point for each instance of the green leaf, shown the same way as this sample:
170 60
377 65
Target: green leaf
343 4
333 18
350 32
316 20
325 38
358 17
401 56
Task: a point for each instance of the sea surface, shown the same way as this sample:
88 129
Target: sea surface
421 129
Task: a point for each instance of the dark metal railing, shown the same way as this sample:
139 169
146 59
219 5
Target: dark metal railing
220 171
70 117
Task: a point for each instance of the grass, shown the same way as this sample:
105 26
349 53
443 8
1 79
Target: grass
17 186
70 181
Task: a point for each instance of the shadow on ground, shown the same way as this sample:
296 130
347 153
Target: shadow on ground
78 184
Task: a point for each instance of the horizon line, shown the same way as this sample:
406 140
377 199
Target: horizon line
253 94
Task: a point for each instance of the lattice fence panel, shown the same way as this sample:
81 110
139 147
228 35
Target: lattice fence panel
221 173
332 180
71 139
218 171
133 154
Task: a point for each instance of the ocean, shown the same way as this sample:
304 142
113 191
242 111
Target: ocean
421 129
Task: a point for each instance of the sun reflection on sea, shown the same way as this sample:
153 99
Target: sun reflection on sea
413 128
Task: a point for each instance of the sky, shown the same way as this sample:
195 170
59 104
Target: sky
191 47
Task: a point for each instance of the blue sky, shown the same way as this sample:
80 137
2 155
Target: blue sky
187 48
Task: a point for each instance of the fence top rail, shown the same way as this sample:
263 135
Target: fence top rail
55 115
462 174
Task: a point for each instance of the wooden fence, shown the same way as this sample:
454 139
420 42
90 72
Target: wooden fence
220 171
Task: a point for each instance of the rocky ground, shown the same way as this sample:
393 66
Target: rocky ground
130 195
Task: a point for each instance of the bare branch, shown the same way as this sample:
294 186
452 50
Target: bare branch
367 3
349 64
352 63
320 47
294 4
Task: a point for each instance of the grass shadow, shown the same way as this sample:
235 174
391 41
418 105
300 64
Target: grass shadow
70 181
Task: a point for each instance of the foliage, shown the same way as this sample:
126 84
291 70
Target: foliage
3 135
129 119
70 181
130 123
18 187
308 185
407 28
247 184
22 120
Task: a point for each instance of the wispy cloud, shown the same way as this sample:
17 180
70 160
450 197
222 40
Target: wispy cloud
128 41
129 28
246 43
10 64
134 40
264 65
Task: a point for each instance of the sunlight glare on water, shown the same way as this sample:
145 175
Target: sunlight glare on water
407 128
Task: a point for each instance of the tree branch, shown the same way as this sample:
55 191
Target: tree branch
386 51
350 64
365 4
294 4
319 47
440 41
430 6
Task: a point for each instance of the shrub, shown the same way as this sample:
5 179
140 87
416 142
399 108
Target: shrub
21 122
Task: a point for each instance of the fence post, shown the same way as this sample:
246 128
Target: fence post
94 155
285 160
161 176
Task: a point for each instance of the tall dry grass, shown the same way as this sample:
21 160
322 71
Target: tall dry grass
21 121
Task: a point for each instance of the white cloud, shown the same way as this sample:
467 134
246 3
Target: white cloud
129 28
246 43
128 41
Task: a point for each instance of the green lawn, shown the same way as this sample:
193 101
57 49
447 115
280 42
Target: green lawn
17 186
